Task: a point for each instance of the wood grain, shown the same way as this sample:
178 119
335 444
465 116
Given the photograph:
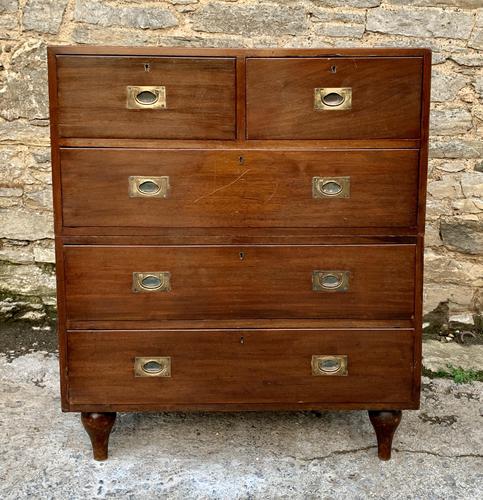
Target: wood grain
386 98
271 366
239 282
239 188
200 95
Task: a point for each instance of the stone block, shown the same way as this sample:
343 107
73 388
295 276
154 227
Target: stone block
428 22
250 19
450 121
455 148
21 224
26 279
43 16
462 235
106 14
472 185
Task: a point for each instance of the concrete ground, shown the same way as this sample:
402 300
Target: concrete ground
46 454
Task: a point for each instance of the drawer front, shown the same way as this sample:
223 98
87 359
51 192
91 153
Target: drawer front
146 97
239 188
263 366
334 98
230 282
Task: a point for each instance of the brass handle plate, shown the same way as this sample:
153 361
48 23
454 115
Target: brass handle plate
329 365
152 366
148 187
330 281
158 281
332 98
146 97
331 187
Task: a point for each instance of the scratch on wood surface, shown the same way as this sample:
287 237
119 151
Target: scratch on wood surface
222 187
275 189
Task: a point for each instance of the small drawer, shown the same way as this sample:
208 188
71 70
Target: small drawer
242 366
146 97
160 188
230 282
334 98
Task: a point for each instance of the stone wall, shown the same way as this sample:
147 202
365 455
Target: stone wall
452 28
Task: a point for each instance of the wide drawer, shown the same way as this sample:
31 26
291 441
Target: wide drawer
230 282
162 188
243 366
334 98
146 97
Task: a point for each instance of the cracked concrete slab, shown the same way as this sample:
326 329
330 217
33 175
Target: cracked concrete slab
46 454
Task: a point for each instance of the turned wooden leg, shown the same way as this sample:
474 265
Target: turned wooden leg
385 423
98 426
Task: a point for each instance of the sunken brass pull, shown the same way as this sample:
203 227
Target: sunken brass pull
151 282
146 97
330 281
331 365
148 187
331 187
152 367
332 98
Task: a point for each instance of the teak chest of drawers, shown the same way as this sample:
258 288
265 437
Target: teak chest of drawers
239 230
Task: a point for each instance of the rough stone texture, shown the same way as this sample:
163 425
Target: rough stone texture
438 355
105 14
250 19
421 22
299 455
44 16
463 235
451 28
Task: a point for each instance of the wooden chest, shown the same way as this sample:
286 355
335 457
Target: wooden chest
239 230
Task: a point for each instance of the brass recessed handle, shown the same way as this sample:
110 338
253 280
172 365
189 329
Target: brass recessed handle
151 281
148 187
332 98
329 365
331 187
330 281
152 366
146 97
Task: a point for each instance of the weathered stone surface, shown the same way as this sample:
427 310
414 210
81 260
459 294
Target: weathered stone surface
43 16
250 19
421 22
38 198
479 166
340 30
444 268
448 187
467 59
360 4
472 185
463 235
444 86
20 224
459 297
462 4
8 5
476 40
20 131
438 355
337 16
26 279
106 14
455 148
468 206
24 92
16 252
479 86
450 121
44 251
431 237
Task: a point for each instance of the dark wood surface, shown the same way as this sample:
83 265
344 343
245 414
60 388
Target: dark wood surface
386 98
98 426
239 282
200 97
242 366
385 424
403 127
239 188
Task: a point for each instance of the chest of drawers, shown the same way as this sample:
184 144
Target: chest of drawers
239 230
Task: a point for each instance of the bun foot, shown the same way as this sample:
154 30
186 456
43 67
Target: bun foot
98 426
385 423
